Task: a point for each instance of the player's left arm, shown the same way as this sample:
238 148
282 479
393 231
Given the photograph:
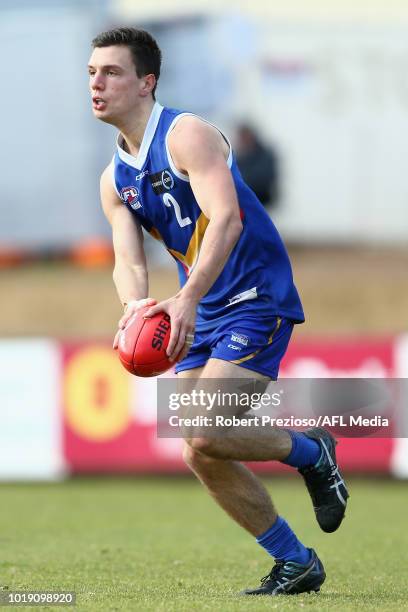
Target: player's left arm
200 151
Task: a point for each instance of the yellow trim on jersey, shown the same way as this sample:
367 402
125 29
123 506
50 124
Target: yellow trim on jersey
193 249
190 258
156 234
252 355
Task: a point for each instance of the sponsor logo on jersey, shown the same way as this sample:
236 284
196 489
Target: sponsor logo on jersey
240 338
249 294
162 181
138 177
234 348
130 195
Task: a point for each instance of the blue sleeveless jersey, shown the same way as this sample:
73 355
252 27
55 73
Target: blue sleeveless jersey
257 278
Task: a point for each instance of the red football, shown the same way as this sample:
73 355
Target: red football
143 342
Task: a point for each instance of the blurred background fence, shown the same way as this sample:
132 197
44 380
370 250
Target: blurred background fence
323 85
327 85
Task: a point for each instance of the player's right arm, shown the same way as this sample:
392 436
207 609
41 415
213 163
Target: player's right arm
130 270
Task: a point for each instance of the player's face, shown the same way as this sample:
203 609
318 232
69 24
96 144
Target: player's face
115 87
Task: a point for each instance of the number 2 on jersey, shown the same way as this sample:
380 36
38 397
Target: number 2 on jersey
169 200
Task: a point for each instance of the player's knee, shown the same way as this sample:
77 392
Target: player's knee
206 446
193 457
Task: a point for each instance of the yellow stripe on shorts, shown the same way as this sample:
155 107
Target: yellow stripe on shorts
252 355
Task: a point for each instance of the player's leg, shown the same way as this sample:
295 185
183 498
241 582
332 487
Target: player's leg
215 460
243 496
240 442
235 488
298 568
311 452
232 485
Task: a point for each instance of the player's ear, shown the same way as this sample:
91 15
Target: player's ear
148 84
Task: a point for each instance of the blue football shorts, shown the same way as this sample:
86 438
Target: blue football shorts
257 344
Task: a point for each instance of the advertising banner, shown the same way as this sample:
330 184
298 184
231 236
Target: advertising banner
79 411
110 416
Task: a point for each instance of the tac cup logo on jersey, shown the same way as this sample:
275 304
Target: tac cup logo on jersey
167 180
162 181
130 195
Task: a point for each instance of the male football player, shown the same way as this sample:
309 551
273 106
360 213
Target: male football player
174 175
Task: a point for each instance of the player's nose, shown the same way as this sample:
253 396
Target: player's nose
97 82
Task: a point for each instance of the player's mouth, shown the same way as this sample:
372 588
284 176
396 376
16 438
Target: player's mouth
98 103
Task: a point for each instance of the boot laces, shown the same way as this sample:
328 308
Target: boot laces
274 573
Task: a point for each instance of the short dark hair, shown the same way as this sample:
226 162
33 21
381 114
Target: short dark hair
144 49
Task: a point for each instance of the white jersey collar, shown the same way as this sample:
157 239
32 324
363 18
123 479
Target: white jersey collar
138 162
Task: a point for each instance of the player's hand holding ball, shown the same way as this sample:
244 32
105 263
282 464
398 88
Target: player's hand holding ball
182 312
143 339
131 308
143 342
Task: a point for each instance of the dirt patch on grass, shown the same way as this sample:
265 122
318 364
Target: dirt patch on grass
344 292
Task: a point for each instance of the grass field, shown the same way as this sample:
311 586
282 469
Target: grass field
162 544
